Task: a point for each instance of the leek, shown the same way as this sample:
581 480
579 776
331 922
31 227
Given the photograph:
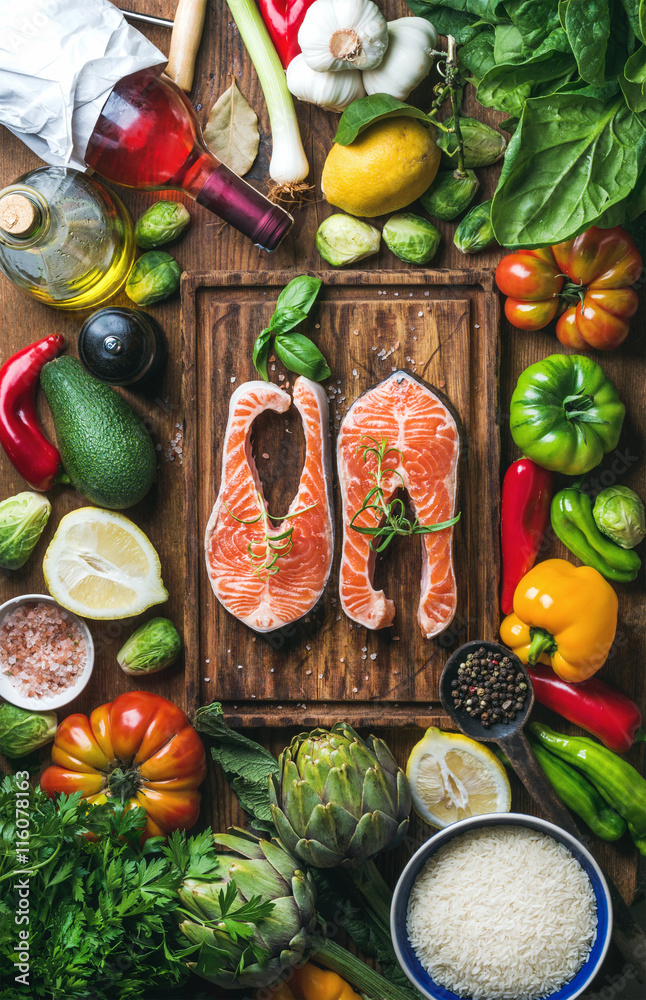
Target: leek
289 166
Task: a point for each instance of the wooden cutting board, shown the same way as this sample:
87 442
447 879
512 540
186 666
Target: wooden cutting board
443 327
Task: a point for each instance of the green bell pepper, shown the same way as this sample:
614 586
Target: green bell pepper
573 523
565 414
621 785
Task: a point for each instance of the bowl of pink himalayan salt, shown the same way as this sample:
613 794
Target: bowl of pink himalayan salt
46 653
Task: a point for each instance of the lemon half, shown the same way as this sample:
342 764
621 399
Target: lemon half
100 565
453 777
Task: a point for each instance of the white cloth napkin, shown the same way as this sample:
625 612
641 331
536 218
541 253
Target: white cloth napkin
59 60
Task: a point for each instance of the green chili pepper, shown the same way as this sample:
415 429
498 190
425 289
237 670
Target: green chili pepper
580 796
573 523
618 783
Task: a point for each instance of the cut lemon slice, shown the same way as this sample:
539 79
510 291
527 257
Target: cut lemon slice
452 777
100 565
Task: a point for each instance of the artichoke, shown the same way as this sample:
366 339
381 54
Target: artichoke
259 868
339 800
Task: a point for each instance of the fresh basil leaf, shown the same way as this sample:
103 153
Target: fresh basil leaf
261 353
300 293
368 110
299 354
570 159
587 24
286 319
633 80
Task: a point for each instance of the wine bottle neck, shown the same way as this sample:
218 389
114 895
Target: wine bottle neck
244 208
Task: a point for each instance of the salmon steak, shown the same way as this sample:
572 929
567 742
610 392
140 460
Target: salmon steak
417 437
265 572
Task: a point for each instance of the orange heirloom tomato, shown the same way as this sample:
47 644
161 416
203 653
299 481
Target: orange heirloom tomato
139 748
587 279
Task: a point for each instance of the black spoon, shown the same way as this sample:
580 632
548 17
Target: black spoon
627 934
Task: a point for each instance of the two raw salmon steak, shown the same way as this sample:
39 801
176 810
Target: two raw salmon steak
268 574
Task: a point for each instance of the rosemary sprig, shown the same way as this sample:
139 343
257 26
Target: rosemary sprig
272 547
390 517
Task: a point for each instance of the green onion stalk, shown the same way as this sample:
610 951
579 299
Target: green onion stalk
289 165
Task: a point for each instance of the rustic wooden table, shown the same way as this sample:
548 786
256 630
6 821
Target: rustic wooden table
210 246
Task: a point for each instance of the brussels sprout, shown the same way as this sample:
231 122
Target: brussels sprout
153 647
619 514
154 276
22 731
22 522
475 232
482 144
342 239
162 222
449 195
411 238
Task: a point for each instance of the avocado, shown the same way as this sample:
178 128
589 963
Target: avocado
105 447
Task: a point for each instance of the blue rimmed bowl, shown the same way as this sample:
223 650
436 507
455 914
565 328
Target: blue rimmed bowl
399 911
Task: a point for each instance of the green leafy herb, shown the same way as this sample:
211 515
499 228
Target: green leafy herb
102 918
388 517
247 766
367 110
296 351
266 551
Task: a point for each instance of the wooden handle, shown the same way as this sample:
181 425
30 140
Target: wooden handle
626 932
536 782
185 41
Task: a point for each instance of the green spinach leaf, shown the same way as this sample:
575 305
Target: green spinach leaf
478 55
299 354
447 21
587 24
636 14
508 86
633 80
569 161
535 19
367 110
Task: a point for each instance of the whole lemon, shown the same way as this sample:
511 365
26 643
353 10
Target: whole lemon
386 168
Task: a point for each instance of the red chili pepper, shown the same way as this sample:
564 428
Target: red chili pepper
524 517
283 19
21 433
593 705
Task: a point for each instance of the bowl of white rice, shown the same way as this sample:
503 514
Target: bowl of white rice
501 907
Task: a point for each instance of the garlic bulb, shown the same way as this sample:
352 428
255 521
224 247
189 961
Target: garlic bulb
338 34
408 59
332 91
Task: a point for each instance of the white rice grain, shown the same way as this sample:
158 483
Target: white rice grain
502 913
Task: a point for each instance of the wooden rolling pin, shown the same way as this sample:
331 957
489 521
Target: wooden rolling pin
185 41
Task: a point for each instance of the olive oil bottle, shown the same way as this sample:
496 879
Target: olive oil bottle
64 238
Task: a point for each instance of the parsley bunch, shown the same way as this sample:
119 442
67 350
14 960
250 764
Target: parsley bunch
102 920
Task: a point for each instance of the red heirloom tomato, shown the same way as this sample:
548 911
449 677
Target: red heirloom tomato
588 277
139 748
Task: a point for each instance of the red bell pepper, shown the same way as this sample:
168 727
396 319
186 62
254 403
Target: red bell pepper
283 19
524 517
593 705
21 433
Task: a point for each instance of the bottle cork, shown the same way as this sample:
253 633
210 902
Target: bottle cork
18 215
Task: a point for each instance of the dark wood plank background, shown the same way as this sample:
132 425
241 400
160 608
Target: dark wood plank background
209 246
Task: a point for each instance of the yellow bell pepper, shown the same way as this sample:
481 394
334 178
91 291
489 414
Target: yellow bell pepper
311 983
565 616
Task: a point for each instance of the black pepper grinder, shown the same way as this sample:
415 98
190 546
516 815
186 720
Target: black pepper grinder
122 346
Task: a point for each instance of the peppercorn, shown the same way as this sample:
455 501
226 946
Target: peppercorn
489 688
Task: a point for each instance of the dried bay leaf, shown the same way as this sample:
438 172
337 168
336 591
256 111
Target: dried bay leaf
231 132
